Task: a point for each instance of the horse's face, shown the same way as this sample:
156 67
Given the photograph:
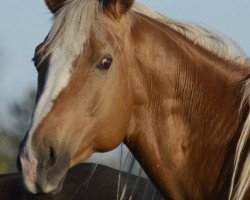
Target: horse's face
84 103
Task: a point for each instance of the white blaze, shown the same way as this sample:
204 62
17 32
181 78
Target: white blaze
66 41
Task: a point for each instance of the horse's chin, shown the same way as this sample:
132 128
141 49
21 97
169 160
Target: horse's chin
56 189
45 189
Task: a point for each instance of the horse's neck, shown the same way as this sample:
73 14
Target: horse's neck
186 118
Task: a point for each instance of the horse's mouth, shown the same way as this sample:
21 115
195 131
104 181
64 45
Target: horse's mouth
53 189
60 185
46 189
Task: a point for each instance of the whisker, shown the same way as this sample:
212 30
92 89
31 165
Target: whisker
84 183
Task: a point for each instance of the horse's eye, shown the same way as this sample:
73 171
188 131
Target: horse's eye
105 63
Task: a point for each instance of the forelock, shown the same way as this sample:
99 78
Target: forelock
72 26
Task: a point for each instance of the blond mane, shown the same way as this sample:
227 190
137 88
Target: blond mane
212 41
77 17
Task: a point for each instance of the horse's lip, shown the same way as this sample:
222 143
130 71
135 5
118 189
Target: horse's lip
60 184
49 189
57 188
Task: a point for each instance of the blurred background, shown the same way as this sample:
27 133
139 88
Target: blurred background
23 25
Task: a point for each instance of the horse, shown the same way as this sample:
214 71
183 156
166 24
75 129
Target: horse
176 94
80 183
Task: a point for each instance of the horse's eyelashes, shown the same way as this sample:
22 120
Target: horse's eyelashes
105 63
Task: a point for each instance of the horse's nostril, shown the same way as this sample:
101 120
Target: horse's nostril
52 155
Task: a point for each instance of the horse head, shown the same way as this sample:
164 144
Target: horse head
84 95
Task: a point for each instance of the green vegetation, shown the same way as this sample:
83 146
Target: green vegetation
10 138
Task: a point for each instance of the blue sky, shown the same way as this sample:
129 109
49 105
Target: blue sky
23 25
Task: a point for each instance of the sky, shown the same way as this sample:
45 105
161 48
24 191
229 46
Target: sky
23 25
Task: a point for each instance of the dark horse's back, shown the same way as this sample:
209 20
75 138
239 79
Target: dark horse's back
10 187
78 185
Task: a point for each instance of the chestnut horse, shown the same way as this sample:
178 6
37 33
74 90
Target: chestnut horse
112 72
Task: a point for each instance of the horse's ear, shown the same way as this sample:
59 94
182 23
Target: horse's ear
118 7
54 5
